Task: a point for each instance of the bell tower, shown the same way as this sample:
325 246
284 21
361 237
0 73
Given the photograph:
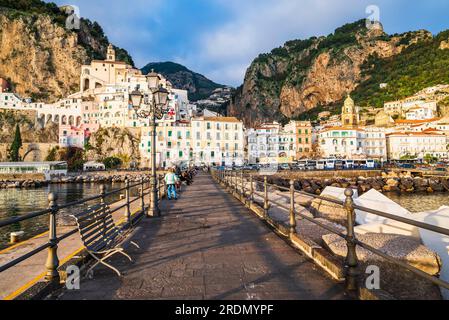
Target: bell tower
350 113
110 56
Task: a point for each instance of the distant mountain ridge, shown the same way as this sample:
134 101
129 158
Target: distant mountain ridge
198 86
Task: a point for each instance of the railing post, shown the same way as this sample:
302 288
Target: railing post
102 194
351 258
266 205
292 208
142 197
243 184
128 207
251 192
149 196
52 262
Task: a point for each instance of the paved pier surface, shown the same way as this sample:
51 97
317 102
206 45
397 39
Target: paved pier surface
208 245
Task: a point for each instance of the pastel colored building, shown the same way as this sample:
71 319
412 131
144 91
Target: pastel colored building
218 140
303 138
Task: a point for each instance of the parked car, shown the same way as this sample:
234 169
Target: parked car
285 166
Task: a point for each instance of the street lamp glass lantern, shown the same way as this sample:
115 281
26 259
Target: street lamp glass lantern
161 96
136 99
153 79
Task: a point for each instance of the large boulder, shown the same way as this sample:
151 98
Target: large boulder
394 279
329 210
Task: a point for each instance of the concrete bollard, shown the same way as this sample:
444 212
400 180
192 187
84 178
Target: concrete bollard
16 236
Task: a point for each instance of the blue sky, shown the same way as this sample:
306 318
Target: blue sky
220 38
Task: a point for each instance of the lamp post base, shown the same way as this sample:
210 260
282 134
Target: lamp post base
154 212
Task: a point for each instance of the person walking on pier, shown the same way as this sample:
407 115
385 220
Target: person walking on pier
170 180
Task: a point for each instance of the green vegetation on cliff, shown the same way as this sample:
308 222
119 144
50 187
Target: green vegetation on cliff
419 66
91 35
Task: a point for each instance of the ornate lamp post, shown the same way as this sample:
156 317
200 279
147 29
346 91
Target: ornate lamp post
153 107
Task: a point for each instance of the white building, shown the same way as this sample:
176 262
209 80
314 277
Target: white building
375 144
417 144
342 142
263 143
402 107
419 113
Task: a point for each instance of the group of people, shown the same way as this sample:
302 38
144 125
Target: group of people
175 177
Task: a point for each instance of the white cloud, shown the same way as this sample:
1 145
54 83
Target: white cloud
258 26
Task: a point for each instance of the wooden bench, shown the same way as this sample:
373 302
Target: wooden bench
100 236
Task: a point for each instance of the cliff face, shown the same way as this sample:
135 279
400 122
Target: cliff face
304 74
41 58
118 142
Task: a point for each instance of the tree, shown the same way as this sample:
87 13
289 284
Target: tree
429 159
15 146
52 154
112 162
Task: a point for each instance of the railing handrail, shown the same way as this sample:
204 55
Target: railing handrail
351 260
422 225
52 261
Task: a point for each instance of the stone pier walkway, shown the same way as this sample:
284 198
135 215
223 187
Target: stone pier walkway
207 245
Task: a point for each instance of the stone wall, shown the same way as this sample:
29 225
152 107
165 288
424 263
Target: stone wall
32 151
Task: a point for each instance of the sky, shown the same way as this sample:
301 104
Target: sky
220 38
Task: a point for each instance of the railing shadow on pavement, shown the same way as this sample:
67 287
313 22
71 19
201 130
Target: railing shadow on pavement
236 183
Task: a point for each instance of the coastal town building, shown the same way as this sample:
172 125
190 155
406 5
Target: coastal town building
375 146
303 138
271 143
421 109
173 144
217 140
71 136
417 145
342 142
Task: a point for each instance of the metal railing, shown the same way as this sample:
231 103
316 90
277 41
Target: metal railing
231 180
52 262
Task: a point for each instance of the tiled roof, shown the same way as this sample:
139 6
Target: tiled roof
222 119
416 121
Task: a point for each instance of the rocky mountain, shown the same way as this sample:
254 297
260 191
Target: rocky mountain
39 56
306 76
198 86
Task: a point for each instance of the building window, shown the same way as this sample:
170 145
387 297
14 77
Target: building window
180 154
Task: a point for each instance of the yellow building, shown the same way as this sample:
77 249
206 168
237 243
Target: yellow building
218 140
